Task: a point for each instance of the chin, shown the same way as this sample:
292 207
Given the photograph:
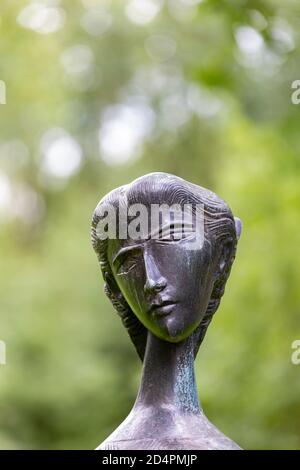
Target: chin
173 331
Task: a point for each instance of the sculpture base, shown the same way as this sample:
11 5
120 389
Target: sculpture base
170 444
141 428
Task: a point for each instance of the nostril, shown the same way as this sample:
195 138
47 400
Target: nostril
160 285
155 286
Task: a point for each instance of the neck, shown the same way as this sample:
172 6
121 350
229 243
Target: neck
168 376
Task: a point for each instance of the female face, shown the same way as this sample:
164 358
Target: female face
166 284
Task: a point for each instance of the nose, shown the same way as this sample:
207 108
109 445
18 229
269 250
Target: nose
155 282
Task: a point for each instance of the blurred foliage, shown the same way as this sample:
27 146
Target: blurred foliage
99 93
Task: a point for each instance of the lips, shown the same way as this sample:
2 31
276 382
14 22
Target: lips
162 308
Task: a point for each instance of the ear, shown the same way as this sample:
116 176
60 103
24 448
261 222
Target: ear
224 258
238 227
226 252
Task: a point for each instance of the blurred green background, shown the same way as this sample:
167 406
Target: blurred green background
99 93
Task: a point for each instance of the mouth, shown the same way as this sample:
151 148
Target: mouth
163 308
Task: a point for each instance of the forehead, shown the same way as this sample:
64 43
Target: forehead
136 224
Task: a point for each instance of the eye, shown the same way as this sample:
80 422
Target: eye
127 262
176 236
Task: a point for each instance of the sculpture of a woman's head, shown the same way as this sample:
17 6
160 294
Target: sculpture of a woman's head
168 284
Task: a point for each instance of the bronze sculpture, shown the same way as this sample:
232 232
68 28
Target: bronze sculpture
166 289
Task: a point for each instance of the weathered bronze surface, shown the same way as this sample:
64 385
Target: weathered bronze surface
166 295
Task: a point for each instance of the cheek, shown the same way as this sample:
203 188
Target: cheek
132 288
196 280
193 272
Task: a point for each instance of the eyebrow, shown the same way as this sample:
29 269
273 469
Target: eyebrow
124 250
174 225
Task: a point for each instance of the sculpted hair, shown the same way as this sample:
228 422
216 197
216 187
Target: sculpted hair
220 228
